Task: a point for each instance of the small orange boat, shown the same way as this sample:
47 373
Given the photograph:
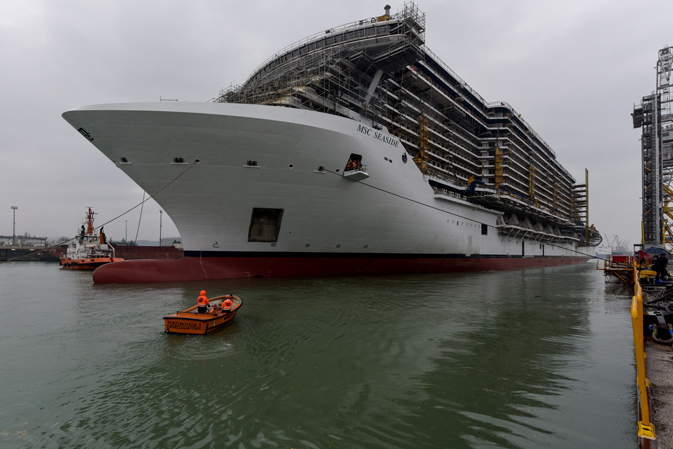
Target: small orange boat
189 321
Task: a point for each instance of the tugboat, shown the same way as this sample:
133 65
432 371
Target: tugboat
89 250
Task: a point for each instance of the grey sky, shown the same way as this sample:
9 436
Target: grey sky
572 68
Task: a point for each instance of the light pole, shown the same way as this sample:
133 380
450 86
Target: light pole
14 208
160 215
126 231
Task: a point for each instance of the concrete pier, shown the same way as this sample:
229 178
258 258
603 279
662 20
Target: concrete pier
659 362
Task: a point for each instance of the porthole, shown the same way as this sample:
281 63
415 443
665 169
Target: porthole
338 245
273 244
307 245
404 158
366 246
291 166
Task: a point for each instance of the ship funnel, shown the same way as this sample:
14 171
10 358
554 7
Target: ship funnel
387 9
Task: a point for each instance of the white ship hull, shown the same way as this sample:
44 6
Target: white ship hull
391 221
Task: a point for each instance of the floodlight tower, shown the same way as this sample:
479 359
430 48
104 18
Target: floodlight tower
14 208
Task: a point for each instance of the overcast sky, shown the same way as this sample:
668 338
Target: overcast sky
573 69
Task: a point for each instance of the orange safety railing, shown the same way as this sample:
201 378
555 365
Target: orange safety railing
645 427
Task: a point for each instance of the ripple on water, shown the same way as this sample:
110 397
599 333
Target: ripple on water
200 347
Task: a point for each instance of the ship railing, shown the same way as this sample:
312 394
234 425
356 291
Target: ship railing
645 427
450 71
532 234
298 44
363 23
446 192
111 248
484 103
409 22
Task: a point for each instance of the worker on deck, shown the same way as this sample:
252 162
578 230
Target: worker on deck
660 267
203 302
656 265
227 304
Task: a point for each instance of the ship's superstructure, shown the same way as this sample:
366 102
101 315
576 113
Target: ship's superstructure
354 151
379 71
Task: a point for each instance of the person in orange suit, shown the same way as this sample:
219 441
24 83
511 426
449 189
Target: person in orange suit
227 304
203 303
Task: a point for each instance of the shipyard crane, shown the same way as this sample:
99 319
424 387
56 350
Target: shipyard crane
655 116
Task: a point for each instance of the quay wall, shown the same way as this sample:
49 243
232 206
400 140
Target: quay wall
54 254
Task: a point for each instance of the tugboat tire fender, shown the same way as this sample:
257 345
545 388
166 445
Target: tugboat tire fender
656 338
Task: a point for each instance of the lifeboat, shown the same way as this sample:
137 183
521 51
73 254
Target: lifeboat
89 250
189 321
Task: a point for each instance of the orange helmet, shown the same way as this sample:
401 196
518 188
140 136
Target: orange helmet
203 293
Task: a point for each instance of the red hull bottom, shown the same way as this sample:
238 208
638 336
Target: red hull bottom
199 269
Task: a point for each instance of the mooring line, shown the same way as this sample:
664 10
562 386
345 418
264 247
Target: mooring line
141 218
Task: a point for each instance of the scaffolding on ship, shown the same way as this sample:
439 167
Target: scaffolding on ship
378 70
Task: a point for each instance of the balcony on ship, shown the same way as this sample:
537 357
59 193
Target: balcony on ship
357 175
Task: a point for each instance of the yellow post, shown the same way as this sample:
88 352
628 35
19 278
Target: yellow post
645 427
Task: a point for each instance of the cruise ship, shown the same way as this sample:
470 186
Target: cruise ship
354 151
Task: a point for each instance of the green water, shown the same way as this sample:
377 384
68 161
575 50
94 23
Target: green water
531 358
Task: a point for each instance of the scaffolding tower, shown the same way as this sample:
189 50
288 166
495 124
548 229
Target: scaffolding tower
655 116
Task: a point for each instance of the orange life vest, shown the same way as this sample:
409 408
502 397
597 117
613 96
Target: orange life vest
203 301
227 304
